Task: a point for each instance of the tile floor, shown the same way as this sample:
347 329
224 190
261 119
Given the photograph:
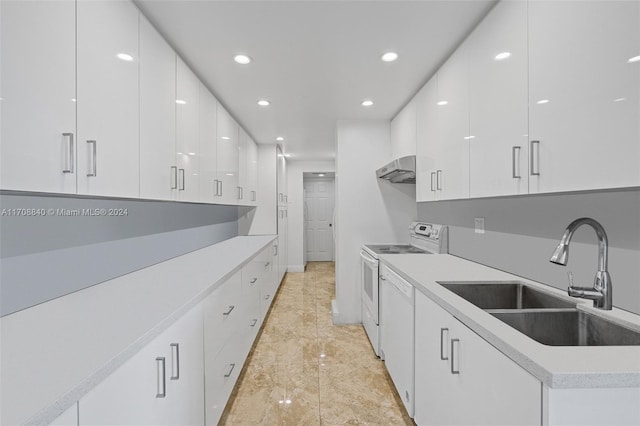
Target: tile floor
305 371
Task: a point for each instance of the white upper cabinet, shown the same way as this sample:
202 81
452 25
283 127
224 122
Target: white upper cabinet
452 150
158 170
403 132
107 84
584 95
187 136
498 102
227 143
38 143
248 170
208 146
427 141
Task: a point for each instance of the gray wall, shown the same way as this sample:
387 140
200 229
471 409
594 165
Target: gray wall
44 257
522 232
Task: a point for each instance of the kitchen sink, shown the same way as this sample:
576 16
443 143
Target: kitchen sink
568 327
505 295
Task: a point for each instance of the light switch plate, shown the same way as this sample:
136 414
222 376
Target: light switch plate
479 221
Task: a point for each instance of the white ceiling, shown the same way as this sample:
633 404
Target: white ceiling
314 60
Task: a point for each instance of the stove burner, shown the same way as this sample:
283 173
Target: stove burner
394 249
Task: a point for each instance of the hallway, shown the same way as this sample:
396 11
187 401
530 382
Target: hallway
305 371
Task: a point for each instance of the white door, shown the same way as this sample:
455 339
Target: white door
38 94
319 201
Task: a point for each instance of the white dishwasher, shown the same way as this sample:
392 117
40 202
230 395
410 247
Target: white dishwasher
396 332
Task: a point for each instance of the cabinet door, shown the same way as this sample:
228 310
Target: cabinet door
498 103
187 139
157 386
227 141
583 92
452 152
158 170
251 197
208 147
427 141
243 167
403 132
475 383
38 144
107 84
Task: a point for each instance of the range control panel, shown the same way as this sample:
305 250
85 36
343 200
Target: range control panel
429 230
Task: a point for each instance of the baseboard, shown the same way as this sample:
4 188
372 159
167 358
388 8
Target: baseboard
335 312
295 268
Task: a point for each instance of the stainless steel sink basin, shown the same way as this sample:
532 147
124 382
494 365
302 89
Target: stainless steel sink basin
568 327
505 295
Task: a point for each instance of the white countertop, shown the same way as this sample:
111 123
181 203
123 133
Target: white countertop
555 366
54 353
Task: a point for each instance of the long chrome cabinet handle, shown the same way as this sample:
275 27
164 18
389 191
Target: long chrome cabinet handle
254 195
433 175
94 159
68 160
220 191
535 158
230 370
182 185
275 250
239 192
439 180
161 375
443 346
231 308
174 177
455 368
515 162
175 361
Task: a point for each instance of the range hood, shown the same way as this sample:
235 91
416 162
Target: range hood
401 170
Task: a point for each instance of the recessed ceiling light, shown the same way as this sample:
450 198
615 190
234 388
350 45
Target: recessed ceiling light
502 55
366 103
469 137
125 57
192 153
543 101
321 175
226 138
634 59
242 59
279 138
442 103
389 57
181 102
619 99
264 102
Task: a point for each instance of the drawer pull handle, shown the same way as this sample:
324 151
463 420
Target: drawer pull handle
231 308
267 297
455 367
253 281
443 346
175 361
230 370
161 374
254 322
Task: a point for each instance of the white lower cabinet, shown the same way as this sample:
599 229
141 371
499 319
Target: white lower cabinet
160 385
460 379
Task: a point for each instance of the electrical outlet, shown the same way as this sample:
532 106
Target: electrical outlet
479 221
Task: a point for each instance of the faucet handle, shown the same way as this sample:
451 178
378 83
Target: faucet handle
570 276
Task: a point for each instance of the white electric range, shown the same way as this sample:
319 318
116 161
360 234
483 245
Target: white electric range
426 238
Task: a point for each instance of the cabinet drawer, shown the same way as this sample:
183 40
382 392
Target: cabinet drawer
222 314
221 374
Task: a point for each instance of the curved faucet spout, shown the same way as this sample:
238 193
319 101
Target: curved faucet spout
601 291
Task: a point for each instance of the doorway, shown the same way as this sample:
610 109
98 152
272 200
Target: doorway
319 195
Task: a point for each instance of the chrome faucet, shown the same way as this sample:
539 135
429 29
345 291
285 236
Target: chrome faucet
601 291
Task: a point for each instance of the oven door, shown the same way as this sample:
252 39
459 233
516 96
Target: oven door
369 266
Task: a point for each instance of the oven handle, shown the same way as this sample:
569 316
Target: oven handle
368 259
